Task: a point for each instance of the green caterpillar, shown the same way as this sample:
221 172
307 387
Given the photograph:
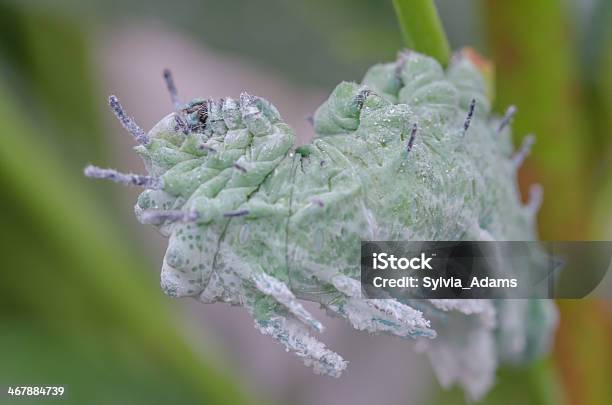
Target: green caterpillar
412 153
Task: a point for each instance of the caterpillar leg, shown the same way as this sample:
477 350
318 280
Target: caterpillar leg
377 315
273 320
280 292
294 337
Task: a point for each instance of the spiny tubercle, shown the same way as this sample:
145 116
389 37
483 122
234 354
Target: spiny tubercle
239 213
510 112
153 216
172 89
412 137
154 183
468 119
239 167
523 151
128 122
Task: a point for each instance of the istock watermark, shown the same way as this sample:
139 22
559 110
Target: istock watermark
467 269
383 261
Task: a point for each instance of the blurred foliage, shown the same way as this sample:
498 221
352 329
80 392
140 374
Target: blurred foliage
45 61
596 67
532 385
583 351
538 73
557 73
76 303
315 42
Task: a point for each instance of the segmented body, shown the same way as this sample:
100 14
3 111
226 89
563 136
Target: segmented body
410 154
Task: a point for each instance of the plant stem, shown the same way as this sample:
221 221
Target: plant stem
422 29
539 78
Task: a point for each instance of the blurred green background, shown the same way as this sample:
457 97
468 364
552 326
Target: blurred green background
79 298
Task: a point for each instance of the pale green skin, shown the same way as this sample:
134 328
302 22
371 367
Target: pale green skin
309 208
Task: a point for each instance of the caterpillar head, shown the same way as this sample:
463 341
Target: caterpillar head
207 157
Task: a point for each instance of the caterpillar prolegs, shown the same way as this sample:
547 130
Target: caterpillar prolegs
411 153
